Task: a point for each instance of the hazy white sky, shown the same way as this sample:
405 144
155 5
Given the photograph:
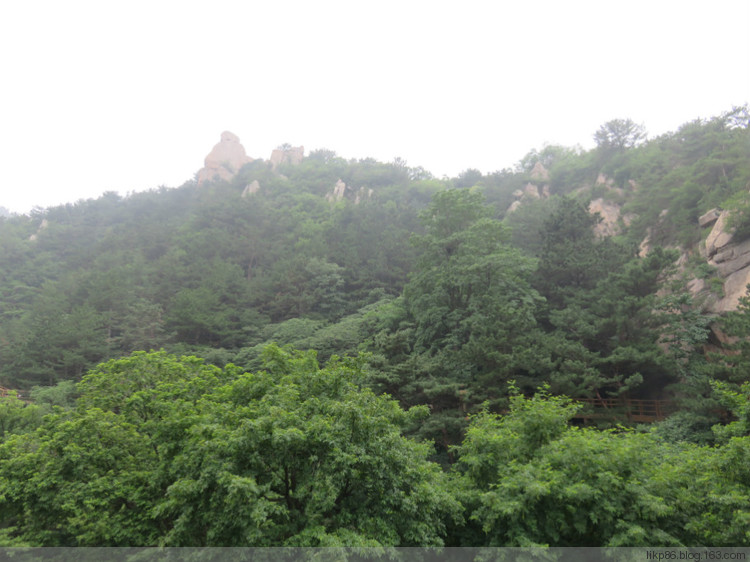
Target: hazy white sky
126 96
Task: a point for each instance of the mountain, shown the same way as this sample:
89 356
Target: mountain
313 351
559 271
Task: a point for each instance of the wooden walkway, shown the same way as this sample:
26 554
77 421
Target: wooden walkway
625 409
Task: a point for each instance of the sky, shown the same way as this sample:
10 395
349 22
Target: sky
127 96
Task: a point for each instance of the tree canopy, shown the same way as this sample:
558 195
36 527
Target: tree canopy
161 450
398 360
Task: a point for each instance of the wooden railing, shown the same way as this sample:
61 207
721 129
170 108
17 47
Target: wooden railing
633 410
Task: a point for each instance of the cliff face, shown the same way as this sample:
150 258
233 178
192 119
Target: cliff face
731 259
717 289
612 217
728 257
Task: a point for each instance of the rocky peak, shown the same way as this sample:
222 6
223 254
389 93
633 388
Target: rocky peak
539 173
287 155
225 160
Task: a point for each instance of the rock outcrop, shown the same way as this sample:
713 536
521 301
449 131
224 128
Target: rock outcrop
225 160
530 190
539 173
731 258
645 247
287 155
342 191
719 237
251 188
513 206
362 194
709 218
602 179
339 190
611 217
43 226
534 189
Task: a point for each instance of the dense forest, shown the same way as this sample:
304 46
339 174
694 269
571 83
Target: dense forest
358 353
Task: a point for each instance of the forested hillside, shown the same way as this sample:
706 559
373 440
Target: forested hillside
349 352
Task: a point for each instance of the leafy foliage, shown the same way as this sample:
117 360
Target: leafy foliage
619 134
256 444
466 309
170 451
532 480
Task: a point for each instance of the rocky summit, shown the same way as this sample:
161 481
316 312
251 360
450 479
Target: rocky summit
225 160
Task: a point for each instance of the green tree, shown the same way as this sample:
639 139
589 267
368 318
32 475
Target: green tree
16 416
572 259
530 479
84 479
619 134
57 339
468 178
470 296
213 313
602 333
469 314
527 224
733 366
303 456
169 451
